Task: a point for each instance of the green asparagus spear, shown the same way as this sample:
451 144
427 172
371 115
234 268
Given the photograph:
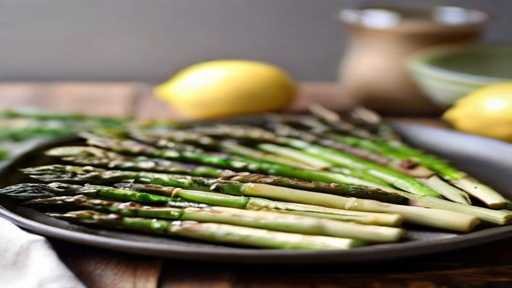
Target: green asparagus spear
260 204
373 122
443 219
97 175
213 232
446 171
405 165
24 133
4 154
170 140
93 156
329 140
98 157
389 143
336 157
29 191
337 123
428 217
234 163
239 217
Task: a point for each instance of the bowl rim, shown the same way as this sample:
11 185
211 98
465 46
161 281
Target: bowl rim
421 62
345 16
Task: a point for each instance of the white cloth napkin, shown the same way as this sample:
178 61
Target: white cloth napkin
28 261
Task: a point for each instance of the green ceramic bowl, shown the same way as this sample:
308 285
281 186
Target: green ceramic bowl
446 74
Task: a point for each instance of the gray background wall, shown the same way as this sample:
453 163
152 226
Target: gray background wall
148 40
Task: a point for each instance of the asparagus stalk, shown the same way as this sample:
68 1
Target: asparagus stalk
68 173
432 180
314 163
321 164
391 176
367 170
234 148
284 130
407 166
93 156
97 175
24 133
373 122
456 177
278 155
247 218
429 217
260 204
390 144
437 218
170 140
103 158
448 191
337 123
4 154
234 163
336 157
500 217
213 232
29 191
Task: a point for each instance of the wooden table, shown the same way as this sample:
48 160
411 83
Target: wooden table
489 265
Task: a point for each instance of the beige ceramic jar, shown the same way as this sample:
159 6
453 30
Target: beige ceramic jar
373 71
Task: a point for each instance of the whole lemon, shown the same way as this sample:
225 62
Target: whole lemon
487 111
228 87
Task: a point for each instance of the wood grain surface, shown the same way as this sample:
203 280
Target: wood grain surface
489 265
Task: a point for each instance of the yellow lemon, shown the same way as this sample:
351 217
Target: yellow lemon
227 87
487 111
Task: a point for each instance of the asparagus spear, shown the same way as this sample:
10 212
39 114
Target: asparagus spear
449 173
336 157
277 154
93 156
234 163
98 175
284 130
329 140
50 173
24 133
260 204
374 144
337 123
170 140
373 122
99 157
366 170
392 144
239 217
3 154
235 148
429 217
213 232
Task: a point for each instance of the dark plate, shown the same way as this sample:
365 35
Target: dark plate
487 159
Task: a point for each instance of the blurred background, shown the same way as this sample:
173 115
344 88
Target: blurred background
132 40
